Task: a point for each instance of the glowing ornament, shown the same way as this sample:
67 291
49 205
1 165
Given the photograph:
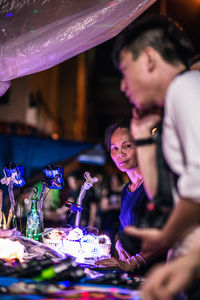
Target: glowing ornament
11 250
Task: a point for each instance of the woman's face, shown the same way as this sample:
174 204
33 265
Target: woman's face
123 151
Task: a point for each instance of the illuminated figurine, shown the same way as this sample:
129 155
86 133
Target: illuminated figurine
12 177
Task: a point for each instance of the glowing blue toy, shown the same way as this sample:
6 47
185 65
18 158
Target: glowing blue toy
13 172
54 177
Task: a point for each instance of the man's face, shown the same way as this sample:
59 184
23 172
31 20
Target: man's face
136 80
123 151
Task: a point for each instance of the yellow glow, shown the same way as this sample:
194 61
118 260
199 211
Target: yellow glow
11 250
154 130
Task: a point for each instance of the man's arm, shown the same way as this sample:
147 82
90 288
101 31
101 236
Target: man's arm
185 215
141 128
165 281
146 155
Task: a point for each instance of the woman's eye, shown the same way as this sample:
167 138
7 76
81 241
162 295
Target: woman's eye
127 146
114 148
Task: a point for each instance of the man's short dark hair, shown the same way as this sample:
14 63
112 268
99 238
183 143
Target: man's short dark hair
110 130
194 60
158 32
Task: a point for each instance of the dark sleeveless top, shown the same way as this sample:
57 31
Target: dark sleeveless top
133 206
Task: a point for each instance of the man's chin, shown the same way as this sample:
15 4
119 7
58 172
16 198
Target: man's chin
142 105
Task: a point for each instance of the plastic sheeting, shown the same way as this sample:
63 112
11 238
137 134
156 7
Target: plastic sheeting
38 34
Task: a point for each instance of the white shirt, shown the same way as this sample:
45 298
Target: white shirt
181 132
181 142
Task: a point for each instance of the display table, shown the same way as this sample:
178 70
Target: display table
36 271
21 288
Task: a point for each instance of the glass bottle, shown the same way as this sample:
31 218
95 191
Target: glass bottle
33 219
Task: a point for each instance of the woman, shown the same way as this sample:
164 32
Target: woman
120 144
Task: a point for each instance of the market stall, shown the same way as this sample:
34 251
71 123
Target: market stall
56 262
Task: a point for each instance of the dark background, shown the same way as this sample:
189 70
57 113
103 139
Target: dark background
105 98
102 103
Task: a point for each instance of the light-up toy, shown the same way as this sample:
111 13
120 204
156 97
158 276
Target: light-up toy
12 177
84 247
53 180
86 186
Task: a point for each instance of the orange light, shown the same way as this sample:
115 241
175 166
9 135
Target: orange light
55 136
154 131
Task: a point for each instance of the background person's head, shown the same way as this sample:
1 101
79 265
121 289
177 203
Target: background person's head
119 142
145 52
75 179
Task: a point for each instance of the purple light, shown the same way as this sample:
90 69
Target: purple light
9 15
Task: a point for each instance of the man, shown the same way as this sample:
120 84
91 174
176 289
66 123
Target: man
151 56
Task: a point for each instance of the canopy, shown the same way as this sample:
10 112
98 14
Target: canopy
35 153
38 34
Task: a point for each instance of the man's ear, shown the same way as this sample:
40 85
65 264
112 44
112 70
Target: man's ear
150 58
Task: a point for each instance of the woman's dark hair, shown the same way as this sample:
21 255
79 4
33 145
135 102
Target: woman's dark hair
110 130
158 32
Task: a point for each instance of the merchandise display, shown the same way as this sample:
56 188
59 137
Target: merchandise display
59 261
84 247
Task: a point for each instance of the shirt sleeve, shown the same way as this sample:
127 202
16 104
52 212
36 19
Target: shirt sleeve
185 115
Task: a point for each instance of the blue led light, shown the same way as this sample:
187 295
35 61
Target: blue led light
54 177
17 171
8 15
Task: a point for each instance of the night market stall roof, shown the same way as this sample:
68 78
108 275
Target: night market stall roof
35 153
38 34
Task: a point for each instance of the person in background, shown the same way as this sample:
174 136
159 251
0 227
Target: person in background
110 204
121 146
100 190
75 180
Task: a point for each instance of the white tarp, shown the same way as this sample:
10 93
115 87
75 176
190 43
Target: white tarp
38 34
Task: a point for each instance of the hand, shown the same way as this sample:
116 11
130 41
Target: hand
114 262
153 240
143 122
123 255
165 281
62 210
